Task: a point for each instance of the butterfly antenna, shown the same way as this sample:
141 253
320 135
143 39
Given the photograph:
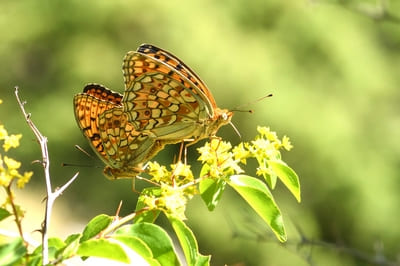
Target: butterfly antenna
237 109
81 165
83 151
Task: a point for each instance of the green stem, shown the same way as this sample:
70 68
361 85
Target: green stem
15 212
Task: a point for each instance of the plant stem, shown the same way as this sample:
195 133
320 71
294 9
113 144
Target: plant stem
51 196
15 213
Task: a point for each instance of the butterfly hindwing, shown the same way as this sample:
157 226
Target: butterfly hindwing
88 105
123 145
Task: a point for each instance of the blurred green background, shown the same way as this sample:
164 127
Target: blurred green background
334 70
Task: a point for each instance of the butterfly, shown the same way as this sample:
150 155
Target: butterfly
164 102
99 114
165 97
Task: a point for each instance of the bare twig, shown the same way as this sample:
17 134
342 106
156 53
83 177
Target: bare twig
51 196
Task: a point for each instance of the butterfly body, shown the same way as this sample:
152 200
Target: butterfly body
164 102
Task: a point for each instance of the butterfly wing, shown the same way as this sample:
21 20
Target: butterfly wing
88 105
124 146
149 58
165 96
99 114
161 105
181 68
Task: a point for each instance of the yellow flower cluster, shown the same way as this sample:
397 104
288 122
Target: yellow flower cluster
220 159
8 166
172 195
178 185
223 160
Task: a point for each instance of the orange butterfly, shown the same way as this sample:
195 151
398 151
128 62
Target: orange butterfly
164 102
165 97
100 115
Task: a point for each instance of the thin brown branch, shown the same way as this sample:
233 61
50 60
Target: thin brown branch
51 196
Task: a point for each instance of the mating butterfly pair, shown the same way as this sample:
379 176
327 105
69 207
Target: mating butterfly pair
164 102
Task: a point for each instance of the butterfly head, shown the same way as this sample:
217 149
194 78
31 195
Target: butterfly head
222 117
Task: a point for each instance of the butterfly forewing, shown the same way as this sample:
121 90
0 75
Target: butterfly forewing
168 112
179 66
149 58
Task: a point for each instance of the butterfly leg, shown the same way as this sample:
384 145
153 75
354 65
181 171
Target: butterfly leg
134 185
190 142
147 180
180 152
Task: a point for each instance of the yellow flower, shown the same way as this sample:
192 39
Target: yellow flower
263 130
11 172
263 170
174 201
206 153
3 132
150 201
182 173
5 179
11 141
11 163
24 179
286 143
157 171
241 153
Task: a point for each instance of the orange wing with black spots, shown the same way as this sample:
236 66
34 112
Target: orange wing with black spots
88 105
100 116
165 97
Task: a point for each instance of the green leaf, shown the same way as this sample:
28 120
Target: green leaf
204 170
95 226
4 214
139 247
155 238
12 251
72 245
270 179
35 260
103 248
258 196
287 176
188 243
72 238
56 242
55 246
147 216
211 191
